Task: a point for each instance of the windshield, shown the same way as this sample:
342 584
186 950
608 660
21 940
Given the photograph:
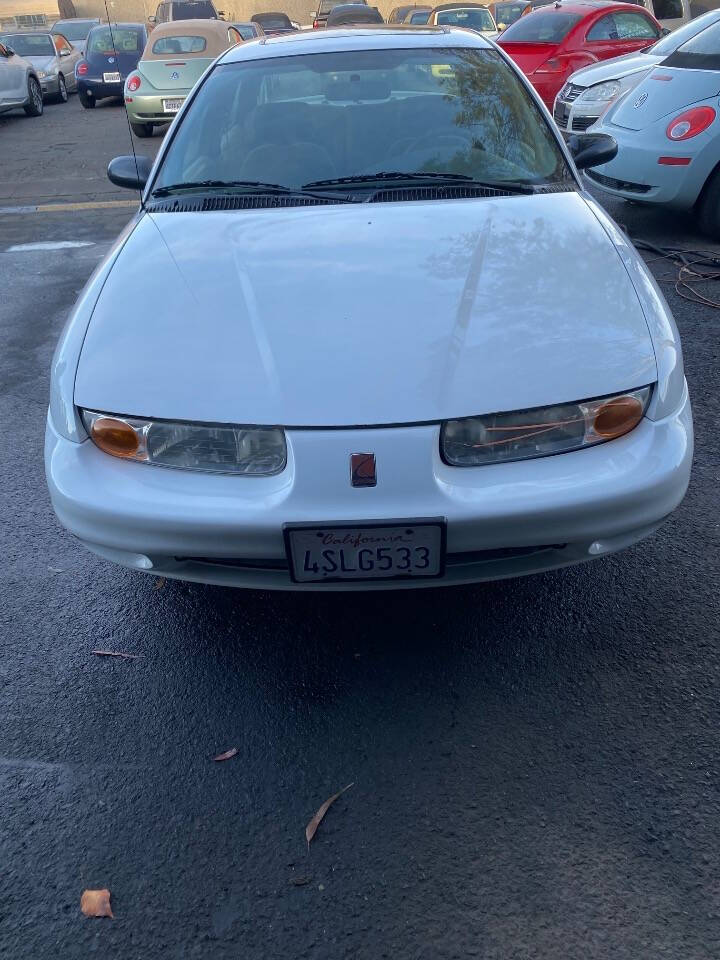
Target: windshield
194 10
477 18
29 45
421 16
168 46
295 120
507 13
672 41
268 22
541 26
702 52
246 30
126 41
73 31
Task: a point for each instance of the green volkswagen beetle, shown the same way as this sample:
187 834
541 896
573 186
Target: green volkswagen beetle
175 57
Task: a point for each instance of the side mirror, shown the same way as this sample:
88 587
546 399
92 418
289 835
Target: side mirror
64 53
130 172
590 150
152 19
665 32
9 51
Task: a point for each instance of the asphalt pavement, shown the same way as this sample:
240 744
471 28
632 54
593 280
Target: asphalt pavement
535 762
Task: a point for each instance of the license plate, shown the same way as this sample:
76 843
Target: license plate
172 106
391 551
111 78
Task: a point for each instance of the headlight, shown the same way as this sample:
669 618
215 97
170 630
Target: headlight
601 92
248 451
41 74
522 434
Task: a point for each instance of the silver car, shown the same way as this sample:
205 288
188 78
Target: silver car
19 84
53 57
591 90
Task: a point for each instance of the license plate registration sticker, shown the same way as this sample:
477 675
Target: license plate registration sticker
172 106
411 549
111 78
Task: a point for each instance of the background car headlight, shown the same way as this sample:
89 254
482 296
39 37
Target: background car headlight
41 74
523 434
248 451
601 92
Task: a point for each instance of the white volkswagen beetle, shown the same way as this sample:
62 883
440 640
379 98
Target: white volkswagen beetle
367 330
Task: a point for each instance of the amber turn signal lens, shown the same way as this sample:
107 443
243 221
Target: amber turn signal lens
115 437
618 416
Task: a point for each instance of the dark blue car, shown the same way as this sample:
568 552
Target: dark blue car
111 53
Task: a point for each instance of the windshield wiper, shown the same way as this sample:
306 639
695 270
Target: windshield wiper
435 177
247 186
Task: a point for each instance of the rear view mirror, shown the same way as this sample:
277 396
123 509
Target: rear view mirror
130 172
590 150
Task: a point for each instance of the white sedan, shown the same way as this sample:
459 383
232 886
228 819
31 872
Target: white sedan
367 330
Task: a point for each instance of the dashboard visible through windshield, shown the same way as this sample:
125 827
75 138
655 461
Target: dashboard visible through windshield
294 121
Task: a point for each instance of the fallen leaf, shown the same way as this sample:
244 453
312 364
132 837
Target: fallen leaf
226 756
311 828
159 583
300 881
113 653
56 569
96 903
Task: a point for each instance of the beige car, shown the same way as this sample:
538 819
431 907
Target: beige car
175 57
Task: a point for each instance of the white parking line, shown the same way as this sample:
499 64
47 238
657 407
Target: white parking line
49 245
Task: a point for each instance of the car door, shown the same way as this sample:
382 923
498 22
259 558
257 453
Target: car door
15 71
621 32
69 58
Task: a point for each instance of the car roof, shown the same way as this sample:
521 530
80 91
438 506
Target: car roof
381 36
120 26
460 5
25 33
77 20
587 6
269 13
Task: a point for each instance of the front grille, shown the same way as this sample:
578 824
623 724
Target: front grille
571 93
614 184
582 123
452 559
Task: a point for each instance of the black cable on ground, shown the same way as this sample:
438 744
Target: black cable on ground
696 270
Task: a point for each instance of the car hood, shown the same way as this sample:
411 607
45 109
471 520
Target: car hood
364 314
43 63
663 92
614 69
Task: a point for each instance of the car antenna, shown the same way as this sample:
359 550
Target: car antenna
132 145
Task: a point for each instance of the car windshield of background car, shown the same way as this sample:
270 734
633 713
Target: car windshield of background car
700 53
194 10
541 26
26 45
475 18
126 41
507 13
276 120
73 31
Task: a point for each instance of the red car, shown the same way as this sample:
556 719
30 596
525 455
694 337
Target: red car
553 41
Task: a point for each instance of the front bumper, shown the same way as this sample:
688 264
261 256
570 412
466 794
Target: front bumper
572 116
150 109
502 520
50 85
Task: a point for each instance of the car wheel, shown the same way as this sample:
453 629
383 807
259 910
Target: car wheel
709 206
34 105
142 130
85 100
62 95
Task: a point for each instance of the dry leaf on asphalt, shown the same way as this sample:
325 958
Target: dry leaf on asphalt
159 583
311 828
226 756
96 903
300 881
113 653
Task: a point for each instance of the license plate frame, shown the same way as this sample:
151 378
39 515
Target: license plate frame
440 523
112 78
172 100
